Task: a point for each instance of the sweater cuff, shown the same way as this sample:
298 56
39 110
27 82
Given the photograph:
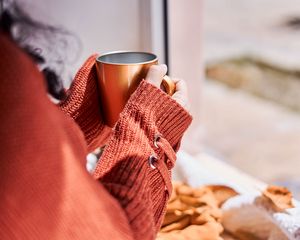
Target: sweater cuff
170 118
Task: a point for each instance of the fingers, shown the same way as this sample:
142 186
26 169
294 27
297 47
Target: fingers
156 74
181 87
181 94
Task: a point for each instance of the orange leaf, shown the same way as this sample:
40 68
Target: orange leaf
279 197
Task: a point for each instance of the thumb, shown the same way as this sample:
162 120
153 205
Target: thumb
156 74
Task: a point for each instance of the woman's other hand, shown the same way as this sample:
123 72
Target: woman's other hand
155 76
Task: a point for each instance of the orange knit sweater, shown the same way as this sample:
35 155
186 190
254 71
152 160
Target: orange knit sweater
45 190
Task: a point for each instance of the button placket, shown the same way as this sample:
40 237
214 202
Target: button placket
161 166
162 144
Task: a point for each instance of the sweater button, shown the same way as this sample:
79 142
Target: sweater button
156 139
152 159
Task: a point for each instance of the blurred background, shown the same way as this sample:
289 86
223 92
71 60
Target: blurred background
241 60
251 113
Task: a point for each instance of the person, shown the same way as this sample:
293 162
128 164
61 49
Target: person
46 191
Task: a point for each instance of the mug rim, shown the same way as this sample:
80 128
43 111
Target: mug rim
126 51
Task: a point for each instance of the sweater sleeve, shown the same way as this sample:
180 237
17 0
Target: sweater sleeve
126 169
135 165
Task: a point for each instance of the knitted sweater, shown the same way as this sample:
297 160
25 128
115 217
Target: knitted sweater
45 190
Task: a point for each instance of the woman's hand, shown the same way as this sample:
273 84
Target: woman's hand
155 77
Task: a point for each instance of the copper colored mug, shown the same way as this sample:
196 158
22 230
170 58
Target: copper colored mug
119 74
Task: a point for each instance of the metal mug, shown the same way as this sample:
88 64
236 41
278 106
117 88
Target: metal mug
119 74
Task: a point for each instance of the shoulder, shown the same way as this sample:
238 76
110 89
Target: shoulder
27 114
18 72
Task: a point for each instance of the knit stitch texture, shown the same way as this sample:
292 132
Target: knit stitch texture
46 192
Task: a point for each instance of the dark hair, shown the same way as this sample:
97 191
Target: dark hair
38 40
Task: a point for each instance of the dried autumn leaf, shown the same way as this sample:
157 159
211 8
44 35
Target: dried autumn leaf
173 217
184 190
176 185
182 223
199 192
191 201
176 205
194 213
189 211
173 196
208 199
173 235
216 213
199 219
279 197
222 193
208 231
